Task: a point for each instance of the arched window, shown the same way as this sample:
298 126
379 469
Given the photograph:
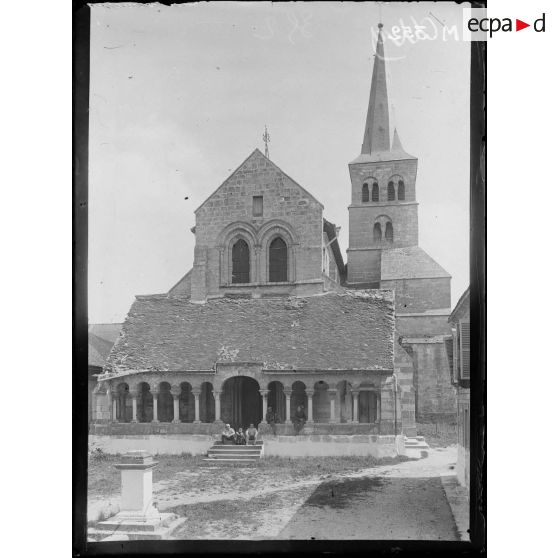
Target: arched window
391 191
365 193
240 262
277 261
389 232
377 232
401 190
375 192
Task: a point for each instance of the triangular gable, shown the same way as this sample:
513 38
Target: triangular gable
257 154
410 263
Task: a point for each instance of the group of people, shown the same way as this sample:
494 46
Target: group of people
239 438
242 438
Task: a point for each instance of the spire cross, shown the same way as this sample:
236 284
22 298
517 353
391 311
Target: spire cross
266 139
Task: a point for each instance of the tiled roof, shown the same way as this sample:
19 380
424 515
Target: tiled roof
351 330
101 340
410 263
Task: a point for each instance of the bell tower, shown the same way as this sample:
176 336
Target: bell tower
383 213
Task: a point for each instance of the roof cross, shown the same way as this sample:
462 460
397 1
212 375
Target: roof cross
267 140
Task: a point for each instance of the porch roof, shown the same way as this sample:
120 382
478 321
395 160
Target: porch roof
350 330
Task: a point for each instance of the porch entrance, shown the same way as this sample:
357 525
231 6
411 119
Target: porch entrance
241 402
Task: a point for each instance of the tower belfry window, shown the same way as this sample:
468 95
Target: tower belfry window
365 193
240 262
375 192
391 191
401 190
389 232
377 232
277 261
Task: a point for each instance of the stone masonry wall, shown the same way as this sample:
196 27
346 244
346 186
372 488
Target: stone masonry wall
418 295
435 396
284 201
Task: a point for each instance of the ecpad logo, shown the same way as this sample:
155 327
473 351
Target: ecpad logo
494 24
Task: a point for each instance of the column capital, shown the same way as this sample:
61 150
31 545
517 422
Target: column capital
154 392
310 392
287 391
175 391
264 392
216 393
332 392
355 392
196 392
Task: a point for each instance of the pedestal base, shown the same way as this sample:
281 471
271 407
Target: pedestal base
125 527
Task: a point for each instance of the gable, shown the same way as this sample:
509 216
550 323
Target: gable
265 174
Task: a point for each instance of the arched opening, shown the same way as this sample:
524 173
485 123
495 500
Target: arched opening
367 406
365 193
375 192
298 398
277 261
123 403
145 403
343 403
241 402
207 403
389 232
401 190
320 402
240 262
186 403
391 191
276 400
377 233
165 403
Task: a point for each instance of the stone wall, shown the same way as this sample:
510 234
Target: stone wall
435 396
286 207
334 445
155 444
419 295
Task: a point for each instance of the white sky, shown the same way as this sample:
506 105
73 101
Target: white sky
179 98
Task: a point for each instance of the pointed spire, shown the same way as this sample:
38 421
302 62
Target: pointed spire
376 132
396 144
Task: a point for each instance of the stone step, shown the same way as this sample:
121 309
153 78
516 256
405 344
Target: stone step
231 460
225 452
232 456
257 444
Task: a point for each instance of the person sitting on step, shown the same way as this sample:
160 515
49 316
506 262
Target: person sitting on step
228 436
240 437
272 419
251 434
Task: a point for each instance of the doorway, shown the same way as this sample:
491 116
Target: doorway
241 402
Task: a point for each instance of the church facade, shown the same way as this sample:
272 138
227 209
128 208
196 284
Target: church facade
271 316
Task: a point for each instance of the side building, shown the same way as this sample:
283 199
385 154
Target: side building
458 349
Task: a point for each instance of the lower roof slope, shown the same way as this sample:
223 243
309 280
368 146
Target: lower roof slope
351 330
410 263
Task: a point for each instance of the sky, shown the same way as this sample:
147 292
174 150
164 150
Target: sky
179 97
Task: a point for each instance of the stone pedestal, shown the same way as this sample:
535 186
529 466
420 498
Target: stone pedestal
137 518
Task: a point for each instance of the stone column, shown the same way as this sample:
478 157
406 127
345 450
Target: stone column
109 405
332 394
264 393
288 393
155 393
257 267
355 393
114 395
175 392
310 395
196 393
217 396
134 394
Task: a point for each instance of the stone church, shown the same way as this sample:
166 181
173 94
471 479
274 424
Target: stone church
270 315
